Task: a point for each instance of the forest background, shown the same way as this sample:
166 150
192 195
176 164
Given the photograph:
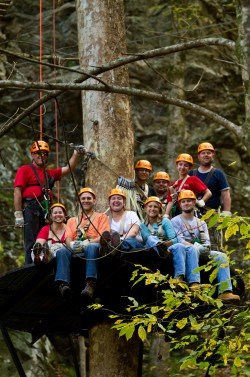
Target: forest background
212 76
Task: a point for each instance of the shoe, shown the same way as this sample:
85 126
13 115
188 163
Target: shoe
46 254
115 239
105 242
65 291
162 249
228 297
195 287
89 289
37 249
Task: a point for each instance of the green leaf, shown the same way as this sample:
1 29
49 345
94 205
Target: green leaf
231 231
213 220
208 214
142 333
182 323
238 362
213 275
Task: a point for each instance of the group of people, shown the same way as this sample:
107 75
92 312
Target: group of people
169 224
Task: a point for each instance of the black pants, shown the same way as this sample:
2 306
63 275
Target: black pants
33 221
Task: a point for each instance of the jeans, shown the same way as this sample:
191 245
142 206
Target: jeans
63 261
151 242
223 275
186 259
130 243
91 253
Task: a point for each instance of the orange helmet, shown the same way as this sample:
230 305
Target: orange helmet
185 157
143 164
161 175
87 189
205 146
117 191
186 194
58 205
152 199
39 145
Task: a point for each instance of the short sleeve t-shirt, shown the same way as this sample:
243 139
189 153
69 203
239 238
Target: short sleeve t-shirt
216 183
126 223
95 225
191 183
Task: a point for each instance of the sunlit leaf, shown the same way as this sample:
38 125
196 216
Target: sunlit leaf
181 323
142 333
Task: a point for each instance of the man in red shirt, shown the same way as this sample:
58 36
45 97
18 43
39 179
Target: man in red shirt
32 186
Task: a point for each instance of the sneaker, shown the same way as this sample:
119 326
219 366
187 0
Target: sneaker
162 249
115 239
228 297
65 291
46 254
194 287
105 242
89 289
37 249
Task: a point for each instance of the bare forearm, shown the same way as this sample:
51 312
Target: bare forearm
18 199
226 200
207 195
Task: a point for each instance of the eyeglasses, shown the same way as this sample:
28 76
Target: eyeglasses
41 153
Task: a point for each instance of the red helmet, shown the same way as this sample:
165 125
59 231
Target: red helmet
39 145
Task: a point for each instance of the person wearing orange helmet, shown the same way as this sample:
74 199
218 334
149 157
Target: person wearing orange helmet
184 163
83 235
124 224
213 178
143 168
161 182
32 191
193 237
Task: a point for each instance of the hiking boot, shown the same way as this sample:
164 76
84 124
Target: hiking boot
228 297
162 250
115 239
195 287
37 249
65 291
105 242
89 289
46 254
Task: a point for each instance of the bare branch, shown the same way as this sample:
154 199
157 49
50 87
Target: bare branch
118 63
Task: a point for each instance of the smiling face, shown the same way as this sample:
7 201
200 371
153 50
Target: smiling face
40 158
183 168
88 201
117 203
153 210
206 157
160 186
187 205
57 215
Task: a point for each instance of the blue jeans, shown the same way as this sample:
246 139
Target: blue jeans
63 261
151 242
223 275
130 243
186 259
91 253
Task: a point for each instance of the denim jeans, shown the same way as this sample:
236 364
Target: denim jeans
131 243
63 261
151 242
223 275
91 253
186 259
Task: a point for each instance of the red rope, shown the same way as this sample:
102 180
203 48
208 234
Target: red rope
41 66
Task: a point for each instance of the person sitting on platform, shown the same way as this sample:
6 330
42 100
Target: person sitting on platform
143 168
192 234
50 243
158 233
184 163
83 235
125 225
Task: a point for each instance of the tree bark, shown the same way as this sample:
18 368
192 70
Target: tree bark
107 126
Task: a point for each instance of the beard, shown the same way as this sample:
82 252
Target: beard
189 210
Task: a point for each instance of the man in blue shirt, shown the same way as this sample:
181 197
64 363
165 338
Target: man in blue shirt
214 179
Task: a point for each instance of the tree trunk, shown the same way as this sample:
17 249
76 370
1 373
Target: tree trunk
111 356
108 131
107 127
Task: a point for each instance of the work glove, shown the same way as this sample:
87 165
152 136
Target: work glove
201 248
19 220
54 248
78 246
226 214
200 203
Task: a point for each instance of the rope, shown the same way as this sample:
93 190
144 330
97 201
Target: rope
41 66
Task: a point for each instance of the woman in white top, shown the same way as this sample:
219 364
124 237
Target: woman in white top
125 225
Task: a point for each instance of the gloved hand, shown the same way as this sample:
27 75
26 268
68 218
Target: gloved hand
226 213
54 247
19 220
78 246
201 248
200 203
